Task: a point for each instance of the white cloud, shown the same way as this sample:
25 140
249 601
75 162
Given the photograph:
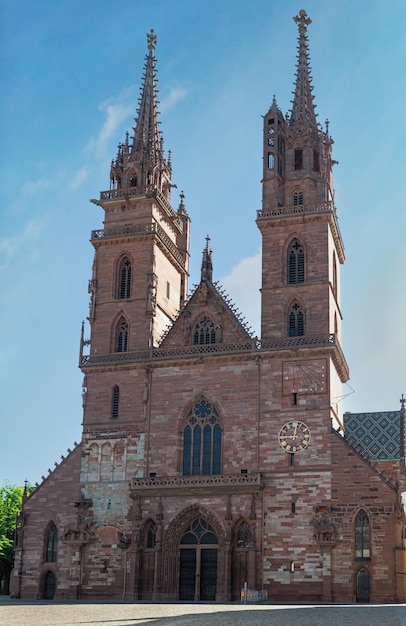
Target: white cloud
79 177
243 284
116 111
174 96
11 246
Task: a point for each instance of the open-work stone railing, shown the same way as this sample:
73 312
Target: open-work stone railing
319 207
225 482
148 191
252 345
139 229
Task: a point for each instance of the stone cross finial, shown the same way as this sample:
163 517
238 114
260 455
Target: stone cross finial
302 20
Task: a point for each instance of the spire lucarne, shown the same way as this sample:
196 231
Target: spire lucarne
303 109
140 162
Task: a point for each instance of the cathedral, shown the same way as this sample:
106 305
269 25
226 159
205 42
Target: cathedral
212 460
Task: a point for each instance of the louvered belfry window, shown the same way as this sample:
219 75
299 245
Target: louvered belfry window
124 277
296 321
295 263
115 404
122 335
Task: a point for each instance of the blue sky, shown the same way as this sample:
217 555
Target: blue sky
71 72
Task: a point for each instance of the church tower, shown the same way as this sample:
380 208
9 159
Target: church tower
302 247
140 270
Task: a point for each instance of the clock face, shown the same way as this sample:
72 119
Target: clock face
294 436
305 376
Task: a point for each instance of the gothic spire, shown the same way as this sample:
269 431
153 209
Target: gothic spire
146 132
303 109
207 264
140 162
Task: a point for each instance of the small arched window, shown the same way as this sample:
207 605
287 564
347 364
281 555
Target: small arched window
202 437
296 321
205 332
122 335
115 402
298 198
296 263
150 535
51 543
362 538
124 279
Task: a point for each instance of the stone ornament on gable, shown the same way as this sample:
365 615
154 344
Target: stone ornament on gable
80 530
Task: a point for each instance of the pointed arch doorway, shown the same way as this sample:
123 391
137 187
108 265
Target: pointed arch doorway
198 562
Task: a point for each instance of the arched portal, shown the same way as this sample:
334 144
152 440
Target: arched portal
362 585
48 586
198 562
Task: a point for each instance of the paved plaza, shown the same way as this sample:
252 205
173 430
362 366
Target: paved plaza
51 613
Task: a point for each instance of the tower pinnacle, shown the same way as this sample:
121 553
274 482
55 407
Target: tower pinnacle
207 264
140 162
303 109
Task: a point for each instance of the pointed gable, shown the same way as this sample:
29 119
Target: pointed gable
208 317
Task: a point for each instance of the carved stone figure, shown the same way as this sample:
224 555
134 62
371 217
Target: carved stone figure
80 529
324 529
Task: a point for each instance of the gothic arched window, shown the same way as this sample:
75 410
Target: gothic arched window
115 402
296 321
202 437
150 535
362 540
298 198
122 335
205 332
296 262
124 279
51 543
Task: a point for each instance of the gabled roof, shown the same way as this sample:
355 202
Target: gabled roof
208 307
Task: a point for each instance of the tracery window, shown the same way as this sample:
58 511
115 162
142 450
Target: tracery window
115 402
122 335
124 279
296 320
51 543
199 532
271 160
296 262
205 332
298 198
202 440
362 536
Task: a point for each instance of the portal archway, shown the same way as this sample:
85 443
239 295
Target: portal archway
48 585
198 562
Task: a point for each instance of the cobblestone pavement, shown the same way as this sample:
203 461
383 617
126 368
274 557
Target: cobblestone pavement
42 613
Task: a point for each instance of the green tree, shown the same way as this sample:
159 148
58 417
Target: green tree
11 499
